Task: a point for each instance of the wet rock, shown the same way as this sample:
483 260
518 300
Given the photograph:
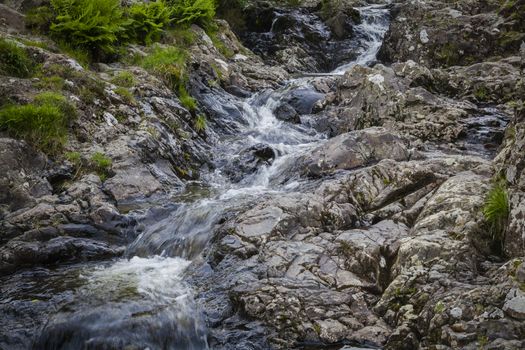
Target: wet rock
287 113
355 149
249 161
298 38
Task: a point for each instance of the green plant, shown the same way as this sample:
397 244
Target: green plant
44 123
101 164
91 25
481 93
200 123
39 19
496 210
126 95
54 83
81 54
180 36
124 79
439 308
168 63
14 60
219 44
185 99
73 157
192 11
59 101
146 21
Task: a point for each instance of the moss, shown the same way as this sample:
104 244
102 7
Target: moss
439 308
14 60
448 54
180 36
73 157
481 93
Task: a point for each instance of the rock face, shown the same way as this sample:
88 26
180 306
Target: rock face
510 164
309 38
442 34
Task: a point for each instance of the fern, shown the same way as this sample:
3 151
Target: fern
147 21
496 210
93 25
192 11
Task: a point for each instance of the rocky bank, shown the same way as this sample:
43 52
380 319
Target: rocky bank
374 236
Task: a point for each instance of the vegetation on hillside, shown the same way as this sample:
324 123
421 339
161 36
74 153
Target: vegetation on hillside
496 211
43 123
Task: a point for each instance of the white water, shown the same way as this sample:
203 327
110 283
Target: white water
160 255
373 28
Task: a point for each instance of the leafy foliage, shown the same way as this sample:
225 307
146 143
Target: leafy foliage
14 60
39 19
496 210
44 123
192 11
147 21
92 25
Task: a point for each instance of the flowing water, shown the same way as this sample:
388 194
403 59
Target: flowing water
144 300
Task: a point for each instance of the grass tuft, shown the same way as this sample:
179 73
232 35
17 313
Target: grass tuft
14 60
43 123
496 210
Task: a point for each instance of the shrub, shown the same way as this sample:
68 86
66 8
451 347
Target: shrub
14 60
39 19
192 11
91 25
124 79
168 64
496 210
147 21
44 123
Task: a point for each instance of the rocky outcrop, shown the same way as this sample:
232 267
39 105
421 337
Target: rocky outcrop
442 34
310 37
511 166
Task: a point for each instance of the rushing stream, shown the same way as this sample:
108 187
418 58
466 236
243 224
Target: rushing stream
144 299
